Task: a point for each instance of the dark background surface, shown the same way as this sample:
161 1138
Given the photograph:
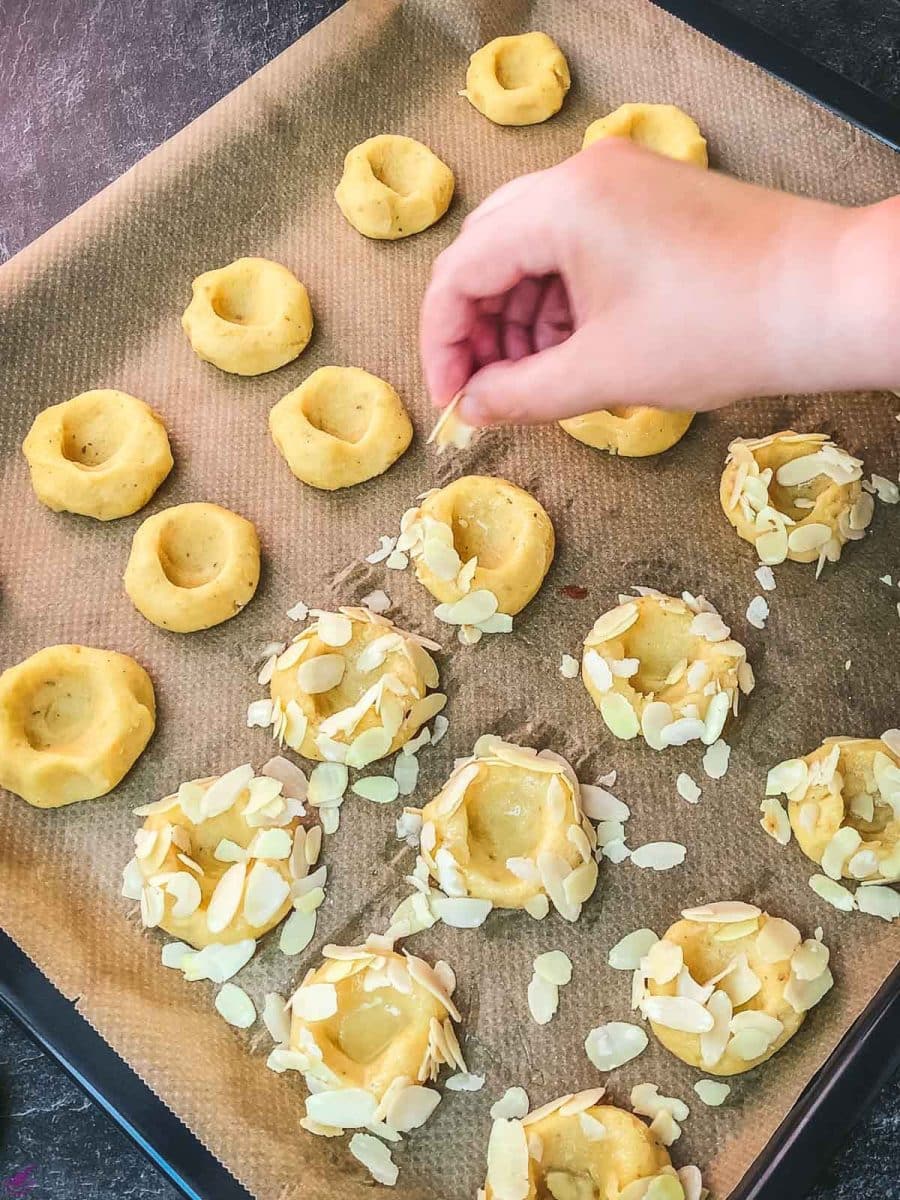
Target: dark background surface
87 87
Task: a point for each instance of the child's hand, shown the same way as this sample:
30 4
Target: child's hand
620 277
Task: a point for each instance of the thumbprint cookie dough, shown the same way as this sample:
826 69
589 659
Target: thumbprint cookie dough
340 427
101 454
352 688
632 431
728 985
248 318
192 566
659 127
795 496
577 1149
518 80
73 722
844 807
664 668
482 547
393 186
370 1028
215 862
507 827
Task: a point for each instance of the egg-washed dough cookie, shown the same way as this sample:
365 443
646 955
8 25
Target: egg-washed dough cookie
844 807
660 127
353 688
796 496
576 1149
518 80
393 186
192 566
507 827
728 985
73 722
215 862
369 1028
101 454
665 668
249 317
632 431
479 543
341 426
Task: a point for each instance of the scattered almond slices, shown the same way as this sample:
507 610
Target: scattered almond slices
687 787
512 1104
450 430
614 1044
568 667
552 970
235 1006
375 1157
712 1092
659 856
716 759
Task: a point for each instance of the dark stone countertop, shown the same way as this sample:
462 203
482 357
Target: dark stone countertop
87 87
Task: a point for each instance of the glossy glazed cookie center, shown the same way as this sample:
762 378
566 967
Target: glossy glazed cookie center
366 1023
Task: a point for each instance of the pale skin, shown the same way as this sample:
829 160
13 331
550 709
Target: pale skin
621 277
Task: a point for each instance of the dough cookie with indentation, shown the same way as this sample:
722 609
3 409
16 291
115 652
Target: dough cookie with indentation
101 454
340 427
352 688
574 1148
249 317
216 861
518 80
632 431
844 807
796 496
73 721
393 186
659 127
370 1028
507 827
192 566
664 668
728 985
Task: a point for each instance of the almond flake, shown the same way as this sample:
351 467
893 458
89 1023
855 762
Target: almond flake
620 717
186 890
226 898
833 893
460 912
568 667
760 1022
463 1081
411 1107
473 608
316 1002
775 820
614 1044
709 626
597 671
845 842
377 601
682 731
600 805
663 962
687 788
173 954
334 629
879 901
678 1012
378 788
777 940
722 911
646 1100
714 1041
803 995
659 856
592 1129
267 890
512 1104
507 1161
537 907
218 962
712 1092
450 430
715 760
808 537
327 783
741 983
386 546
627 953
765 577
276 1019
270 843
235 1006
321 673
297 932
656 717
555 967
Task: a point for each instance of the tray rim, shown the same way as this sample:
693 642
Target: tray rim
844 1085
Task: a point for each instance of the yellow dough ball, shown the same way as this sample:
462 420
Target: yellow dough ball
518 80
480 534
192 566
101 454
369 1028
73 721
632 432
393 186
728 985
660 127
249 317
352 688
795 496
214 862
843 805
340 427
664 668
507 827
573 1149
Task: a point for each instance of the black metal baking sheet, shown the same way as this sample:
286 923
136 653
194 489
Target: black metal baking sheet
866 1057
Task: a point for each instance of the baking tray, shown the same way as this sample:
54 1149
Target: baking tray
865 1058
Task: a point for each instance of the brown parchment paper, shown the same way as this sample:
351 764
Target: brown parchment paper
96 302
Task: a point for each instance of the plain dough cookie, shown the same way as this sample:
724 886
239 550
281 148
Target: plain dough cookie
728 985
660 127
633 431
507 827
192 566
393 186
353 688
341 426
249 317
101 454
844 807
518 80
795 495
665 668
73 721
369 1028
576 1149
215 862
